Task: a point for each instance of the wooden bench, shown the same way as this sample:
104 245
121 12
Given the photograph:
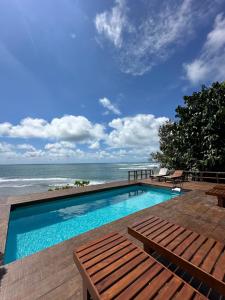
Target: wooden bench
201 256
219 192
113 267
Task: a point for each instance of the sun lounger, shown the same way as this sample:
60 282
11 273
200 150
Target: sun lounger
162 172
112 267
177 175
219 192
202 257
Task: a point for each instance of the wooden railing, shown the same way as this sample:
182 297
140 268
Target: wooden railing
205 176
218 177
139 174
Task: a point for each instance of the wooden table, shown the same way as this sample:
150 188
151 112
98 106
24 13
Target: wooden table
219 192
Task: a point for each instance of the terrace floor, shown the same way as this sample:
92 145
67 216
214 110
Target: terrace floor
52 274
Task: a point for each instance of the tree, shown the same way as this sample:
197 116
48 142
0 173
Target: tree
196 139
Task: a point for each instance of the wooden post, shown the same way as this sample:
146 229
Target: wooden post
86 294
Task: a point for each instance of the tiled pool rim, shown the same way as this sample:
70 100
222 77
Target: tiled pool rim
12 202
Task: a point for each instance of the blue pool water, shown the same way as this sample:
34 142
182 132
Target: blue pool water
35 227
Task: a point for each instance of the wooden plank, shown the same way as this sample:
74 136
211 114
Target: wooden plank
134 288
153 288
138 261
98 245
109 259
96 241
102 249
202 252
190 251
186 293
219 271
169 289
106 254
178 240
172 237
145 222
187 242
153 226
166 233
153 232
114 265
212 257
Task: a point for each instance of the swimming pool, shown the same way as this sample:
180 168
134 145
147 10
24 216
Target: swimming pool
35 227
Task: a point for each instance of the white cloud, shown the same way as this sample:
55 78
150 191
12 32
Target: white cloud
95 145
70 128
27 147
59 145
62 150
111 23
142 43
209 65
5 147
127 138
110 107
133 132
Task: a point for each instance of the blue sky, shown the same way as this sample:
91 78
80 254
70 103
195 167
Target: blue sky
88 81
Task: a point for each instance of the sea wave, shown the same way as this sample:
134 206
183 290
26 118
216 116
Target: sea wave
15 186
140 167
35 179
92 182
48 182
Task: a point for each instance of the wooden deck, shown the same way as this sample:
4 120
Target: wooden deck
51 273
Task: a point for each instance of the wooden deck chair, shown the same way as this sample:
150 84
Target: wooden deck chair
202 257
113 267
177 175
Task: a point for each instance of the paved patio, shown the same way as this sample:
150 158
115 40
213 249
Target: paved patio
51 273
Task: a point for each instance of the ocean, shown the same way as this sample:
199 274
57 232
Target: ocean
26 179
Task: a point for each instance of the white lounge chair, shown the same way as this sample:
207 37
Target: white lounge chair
162 172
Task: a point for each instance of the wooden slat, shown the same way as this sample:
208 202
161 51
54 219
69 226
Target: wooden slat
168 291
152 289
187 242
154 226
166 233
141 223
219 271
202 252
88 245
115 289
111 258
190 251
101 250
212 257
138 285
114 265
153 233
178 240
106 254
172 237
98 245
186 293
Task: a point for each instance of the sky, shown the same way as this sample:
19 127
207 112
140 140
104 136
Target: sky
92 81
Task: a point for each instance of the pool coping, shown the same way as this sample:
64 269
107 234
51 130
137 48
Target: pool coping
9 203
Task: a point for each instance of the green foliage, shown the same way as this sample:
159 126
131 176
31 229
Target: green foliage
77 183
196 140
